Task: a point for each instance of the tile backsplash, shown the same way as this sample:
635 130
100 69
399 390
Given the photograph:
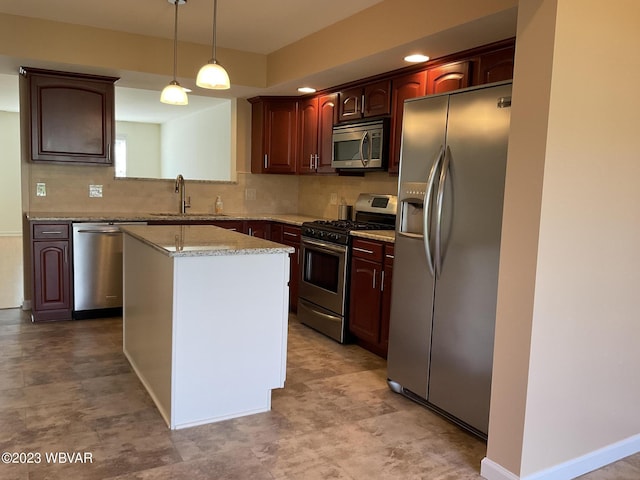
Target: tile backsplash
67 190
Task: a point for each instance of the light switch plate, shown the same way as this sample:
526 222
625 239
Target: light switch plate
41 189
334 199
250 194
95 191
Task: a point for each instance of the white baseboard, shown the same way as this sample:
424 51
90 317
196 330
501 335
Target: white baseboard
570 469
493 471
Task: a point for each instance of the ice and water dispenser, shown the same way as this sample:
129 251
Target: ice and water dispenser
411 200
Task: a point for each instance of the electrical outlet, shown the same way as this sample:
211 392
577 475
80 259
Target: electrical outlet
334 199
250 194
41 189
95 191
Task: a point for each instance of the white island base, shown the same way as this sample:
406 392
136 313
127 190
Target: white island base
206 334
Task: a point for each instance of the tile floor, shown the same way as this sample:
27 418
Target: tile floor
66 387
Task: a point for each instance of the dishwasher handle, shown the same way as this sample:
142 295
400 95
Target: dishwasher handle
103 232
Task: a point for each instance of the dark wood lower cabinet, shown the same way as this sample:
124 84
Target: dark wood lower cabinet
51 262
291 238
258 229
370 294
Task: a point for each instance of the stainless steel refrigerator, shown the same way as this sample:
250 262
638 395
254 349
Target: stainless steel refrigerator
450 197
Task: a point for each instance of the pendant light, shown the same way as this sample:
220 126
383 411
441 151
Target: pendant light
213 75
174 94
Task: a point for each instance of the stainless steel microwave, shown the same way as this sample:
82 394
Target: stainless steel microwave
360 145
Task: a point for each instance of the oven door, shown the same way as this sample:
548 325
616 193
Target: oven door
323 275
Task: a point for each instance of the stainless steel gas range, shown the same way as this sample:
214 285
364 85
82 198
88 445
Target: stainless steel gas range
323 302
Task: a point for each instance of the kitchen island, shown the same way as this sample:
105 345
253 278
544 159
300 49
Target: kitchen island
205 320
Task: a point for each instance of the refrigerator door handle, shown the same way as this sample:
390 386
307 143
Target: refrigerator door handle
439 204
428 195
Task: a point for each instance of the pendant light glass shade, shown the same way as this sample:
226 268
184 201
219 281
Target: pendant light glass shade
213 75
174 94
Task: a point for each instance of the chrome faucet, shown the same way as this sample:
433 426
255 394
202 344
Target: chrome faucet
185 202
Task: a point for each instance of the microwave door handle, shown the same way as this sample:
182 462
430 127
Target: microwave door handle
362 158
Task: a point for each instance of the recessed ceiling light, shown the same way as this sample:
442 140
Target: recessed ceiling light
416 58
307 90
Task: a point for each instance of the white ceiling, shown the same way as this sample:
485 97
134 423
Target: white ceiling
259 26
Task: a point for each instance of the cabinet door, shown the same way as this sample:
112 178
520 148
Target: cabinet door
52 277
385 286
280 136
258 229
495 66
377 99
448 77
308 135
327 117
402 88
71 119
291 237
350 104
364 311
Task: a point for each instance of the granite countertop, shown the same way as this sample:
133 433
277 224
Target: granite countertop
381 235
292 219
201 240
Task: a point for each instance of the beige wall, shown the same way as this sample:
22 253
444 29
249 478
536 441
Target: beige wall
568 302
10 223
10 179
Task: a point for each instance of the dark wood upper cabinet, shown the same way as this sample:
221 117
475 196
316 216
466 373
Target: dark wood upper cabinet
71 116
402 88
308 135
495 66
370 100
317 117
274 135
327 118
448 77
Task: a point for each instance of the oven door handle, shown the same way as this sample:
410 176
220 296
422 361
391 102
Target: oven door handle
323 245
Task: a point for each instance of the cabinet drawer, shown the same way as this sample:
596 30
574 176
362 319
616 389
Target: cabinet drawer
291 235
389 254
371 250
50 231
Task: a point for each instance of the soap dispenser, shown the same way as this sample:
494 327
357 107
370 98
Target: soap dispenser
218 205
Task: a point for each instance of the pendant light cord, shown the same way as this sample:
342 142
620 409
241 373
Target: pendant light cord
213 34
175 41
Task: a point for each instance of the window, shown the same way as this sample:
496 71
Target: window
120 158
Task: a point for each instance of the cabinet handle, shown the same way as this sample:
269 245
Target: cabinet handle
375 274
265 160
363 250
250 232
290 234
311 161
382 281
317 161
51 233
64 252
362 104
108 151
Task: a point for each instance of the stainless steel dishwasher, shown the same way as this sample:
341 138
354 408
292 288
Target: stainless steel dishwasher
97 269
